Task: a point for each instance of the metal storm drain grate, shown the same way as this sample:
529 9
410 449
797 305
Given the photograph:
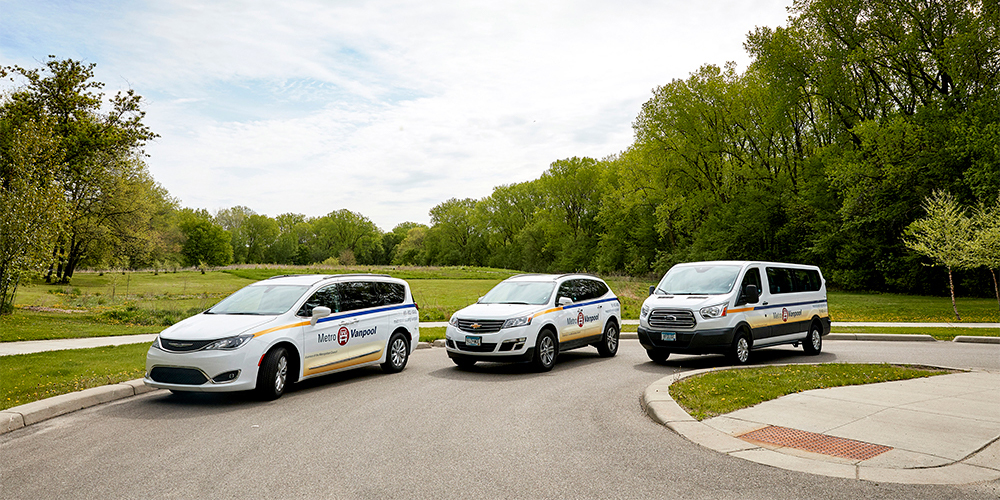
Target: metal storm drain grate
816 443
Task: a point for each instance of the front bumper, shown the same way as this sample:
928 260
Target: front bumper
717 340
509 344
202 371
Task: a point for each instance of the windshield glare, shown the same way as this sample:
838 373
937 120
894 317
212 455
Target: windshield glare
519 292
260 299
699 280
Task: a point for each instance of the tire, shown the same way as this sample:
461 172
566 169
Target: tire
813 343
739 352
608 346
397 355
464 363
658 357
546 351
272 379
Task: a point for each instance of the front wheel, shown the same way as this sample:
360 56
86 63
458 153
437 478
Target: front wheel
739 353
273 375
546 350
399 354
814 342
656 356
608 346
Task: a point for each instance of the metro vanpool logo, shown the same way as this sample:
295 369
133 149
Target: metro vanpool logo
343 335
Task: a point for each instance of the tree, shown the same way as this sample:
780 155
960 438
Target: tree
206 243
986 241
944 236
32 207
99 161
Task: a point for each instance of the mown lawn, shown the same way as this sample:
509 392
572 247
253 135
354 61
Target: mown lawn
724 391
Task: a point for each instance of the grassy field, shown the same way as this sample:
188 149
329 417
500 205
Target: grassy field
939 333
888 307
30 377
720 392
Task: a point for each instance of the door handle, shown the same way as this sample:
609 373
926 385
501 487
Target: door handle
765 303
351 321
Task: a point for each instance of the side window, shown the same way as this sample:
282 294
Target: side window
355 295
778 280
806 280
391 293
752 277
596 289
326 297
574 289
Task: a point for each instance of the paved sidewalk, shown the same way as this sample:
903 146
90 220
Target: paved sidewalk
936 430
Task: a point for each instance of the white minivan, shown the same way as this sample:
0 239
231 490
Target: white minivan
534 317
287 328
733 307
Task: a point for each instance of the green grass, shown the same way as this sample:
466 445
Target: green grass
432 334
31 377
887 307
25 325
720 392
939 333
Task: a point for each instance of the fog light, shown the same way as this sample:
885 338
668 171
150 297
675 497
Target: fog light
222 378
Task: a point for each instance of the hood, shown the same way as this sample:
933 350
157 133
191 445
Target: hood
498 311
215 326
692 302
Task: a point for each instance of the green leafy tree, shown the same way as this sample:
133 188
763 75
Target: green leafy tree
986 241
205 244
944 236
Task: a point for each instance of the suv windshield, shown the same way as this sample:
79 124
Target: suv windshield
699 280
519 292
260 299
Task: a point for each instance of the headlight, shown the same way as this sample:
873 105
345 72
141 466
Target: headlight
230 342
716 311
515 322
453 321
156 343
644 312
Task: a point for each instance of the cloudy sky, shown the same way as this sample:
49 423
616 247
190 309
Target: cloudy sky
386 108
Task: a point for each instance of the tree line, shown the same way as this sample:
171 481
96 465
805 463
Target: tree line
822 151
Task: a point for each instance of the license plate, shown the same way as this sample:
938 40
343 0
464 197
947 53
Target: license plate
668 337
473 341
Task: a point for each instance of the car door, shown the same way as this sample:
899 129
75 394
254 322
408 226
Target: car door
321 340
755 314
366 321
580 320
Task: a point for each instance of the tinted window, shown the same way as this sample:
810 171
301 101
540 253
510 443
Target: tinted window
597 289
778 280
576 290
325 297
806 280
355 295
391 293
752 277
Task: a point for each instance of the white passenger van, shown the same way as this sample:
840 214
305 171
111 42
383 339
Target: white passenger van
287 328
534 317
733 307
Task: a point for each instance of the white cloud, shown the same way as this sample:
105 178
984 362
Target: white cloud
384 108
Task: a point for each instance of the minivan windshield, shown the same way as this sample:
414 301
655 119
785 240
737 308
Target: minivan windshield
260 300
519 292
699 280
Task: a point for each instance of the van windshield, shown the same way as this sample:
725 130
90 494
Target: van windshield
699 280
260 300
519 292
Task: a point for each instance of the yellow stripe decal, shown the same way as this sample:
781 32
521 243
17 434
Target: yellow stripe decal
742 309
533 316
269 330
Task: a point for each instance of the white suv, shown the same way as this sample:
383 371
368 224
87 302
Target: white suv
285 329
533 317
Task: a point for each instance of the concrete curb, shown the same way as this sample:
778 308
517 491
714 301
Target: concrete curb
661 407
37 411
886 337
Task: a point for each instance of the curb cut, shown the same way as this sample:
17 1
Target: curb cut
662 409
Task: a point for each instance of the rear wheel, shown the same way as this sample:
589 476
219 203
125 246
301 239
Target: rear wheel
398 355
272 379
608 346
546 350
813 343
739 353
656 356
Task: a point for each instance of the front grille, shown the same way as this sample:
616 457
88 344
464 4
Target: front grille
486 347
172 375
671 319
480 325
183 345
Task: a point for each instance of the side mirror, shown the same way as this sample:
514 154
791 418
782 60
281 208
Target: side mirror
751 294
652 289
318 312
564 301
